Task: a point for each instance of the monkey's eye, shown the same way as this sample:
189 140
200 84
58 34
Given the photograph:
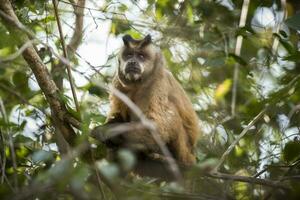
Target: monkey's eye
141 56
129 55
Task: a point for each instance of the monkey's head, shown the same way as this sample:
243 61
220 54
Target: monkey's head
136 59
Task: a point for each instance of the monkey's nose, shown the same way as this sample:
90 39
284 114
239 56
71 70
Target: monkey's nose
132 63
132 67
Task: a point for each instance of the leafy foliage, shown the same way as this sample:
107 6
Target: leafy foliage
198 40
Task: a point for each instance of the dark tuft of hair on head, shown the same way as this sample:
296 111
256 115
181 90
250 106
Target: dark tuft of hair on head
147 40
127 39
141 43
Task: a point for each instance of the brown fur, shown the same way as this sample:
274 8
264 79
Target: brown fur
162 100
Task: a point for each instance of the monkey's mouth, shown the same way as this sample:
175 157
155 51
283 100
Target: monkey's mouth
132 70
133 73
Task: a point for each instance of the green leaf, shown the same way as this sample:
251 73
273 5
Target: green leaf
120 26
42 156
123 8
2 71
286 44
158 14
217 61
22 139
20 80
23 124
238 59
190 14
133 33
97 91
294 21
22 151
79 177
127 159
223 89
97 117
295 56
208 164
283 33
109 170
291 151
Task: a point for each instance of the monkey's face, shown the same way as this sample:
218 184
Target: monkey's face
136 59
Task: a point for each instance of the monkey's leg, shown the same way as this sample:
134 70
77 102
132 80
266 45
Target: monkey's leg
182 149
140 140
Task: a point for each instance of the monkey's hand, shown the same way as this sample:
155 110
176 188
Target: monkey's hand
105 135
118 134
99 133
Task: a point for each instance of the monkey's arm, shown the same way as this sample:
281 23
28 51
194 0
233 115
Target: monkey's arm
114 132
104 134
116 135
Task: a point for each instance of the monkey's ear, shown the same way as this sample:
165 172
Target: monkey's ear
147 40
127 39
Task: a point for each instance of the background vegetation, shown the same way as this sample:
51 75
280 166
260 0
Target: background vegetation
238 60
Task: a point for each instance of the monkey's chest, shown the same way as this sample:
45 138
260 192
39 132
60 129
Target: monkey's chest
151 106
142 102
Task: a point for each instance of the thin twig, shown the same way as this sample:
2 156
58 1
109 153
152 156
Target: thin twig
98 177
21 98
237 52
72 84
283 178
3 157
235 142
10 145
3 175
78 29
174 195
276 39
247 179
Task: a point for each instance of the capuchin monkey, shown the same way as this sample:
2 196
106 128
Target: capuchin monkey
143 76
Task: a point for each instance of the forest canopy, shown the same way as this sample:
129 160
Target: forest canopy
238 61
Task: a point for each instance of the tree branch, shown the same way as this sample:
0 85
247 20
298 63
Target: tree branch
246 179
47 85
78 31
235 142
279 25
72 84
58 70
237 52
10 146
